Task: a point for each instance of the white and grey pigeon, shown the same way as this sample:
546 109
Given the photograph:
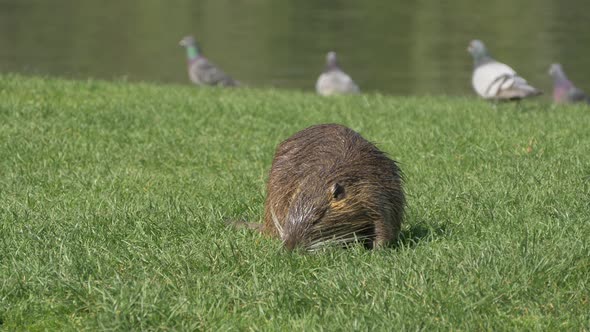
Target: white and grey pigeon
494 80
334 80
564 91
200 70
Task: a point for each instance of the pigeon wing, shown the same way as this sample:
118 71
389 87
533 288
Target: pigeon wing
208 73
576 95
490 78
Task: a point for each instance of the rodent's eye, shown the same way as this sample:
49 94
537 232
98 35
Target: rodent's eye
338 191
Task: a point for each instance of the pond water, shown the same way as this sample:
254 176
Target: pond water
400 48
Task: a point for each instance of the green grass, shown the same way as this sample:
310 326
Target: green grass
113 198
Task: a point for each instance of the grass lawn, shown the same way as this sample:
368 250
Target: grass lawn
113 198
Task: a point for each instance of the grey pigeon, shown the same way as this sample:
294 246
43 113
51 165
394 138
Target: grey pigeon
564 91
200 70
333 80
494 80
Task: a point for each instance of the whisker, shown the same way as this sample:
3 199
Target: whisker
275 220
344 239
330 242
341 226
340 230
353 236
348 236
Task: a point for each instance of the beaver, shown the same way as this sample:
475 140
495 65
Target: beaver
330 186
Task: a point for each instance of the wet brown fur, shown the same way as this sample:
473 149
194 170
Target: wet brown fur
327 185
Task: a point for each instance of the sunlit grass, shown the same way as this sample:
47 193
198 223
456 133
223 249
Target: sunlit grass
113 198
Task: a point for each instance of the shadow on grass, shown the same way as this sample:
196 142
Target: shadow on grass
419 233
412 235
523 106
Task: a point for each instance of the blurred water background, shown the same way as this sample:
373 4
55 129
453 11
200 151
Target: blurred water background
393 47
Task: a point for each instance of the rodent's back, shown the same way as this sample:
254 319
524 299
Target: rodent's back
333 169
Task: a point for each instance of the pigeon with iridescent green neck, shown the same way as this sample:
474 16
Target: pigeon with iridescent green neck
334 80
564 91
494 80
200 70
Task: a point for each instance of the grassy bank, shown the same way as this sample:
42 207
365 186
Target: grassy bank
113 196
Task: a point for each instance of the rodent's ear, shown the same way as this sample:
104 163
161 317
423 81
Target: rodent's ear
338 191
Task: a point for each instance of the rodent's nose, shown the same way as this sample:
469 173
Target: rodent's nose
290 244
